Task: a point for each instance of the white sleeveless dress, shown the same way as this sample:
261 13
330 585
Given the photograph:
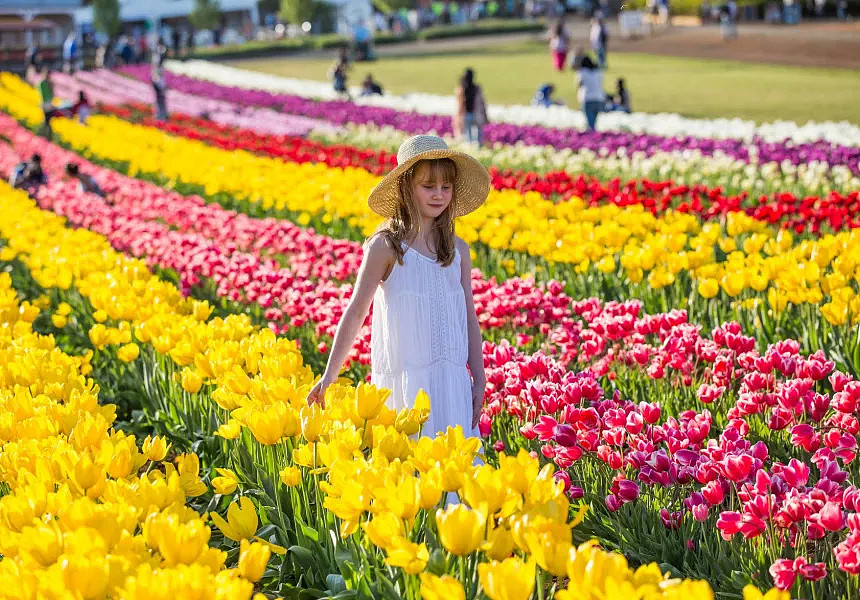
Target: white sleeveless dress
419 340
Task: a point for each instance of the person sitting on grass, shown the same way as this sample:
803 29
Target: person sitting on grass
28 175
369 87
543 97
620 101
87 183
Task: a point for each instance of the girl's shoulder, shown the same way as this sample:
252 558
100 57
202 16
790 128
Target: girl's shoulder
463 247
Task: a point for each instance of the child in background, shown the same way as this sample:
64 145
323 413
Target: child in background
417 274
543 96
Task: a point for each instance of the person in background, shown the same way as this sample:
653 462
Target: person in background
590 93
369 87
621 100
86 182
126 52
81 108
176 42
142 47
842 10
543 96
159 85
28 175
70 52
558 45
471 109
599 37
338 73
46 94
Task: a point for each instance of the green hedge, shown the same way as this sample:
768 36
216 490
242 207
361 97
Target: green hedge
254 49
693 7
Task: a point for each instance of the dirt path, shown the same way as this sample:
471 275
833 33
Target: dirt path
829 44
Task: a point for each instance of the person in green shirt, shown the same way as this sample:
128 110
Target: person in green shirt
46 91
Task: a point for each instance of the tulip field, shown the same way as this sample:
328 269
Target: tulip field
671 321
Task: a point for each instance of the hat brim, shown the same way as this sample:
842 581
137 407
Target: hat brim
471 187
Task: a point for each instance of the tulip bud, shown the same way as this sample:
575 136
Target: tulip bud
252 560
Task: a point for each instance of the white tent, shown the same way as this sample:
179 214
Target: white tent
349 13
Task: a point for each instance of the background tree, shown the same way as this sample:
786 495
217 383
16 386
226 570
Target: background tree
206 14
388 6
299 11
106 17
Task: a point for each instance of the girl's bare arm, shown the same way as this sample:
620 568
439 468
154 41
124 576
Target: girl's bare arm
377 262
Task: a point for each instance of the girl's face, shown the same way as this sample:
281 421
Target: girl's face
432 191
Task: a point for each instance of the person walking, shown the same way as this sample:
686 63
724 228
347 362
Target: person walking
599 37
70 52
416 273
591 96
471 109
159 86
46 95
559 43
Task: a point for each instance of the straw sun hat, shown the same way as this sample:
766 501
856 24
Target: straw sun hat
471 187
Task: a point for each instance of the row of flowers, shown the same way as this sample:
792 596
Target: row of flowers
341 112
374 522
88 511
808 214
111 88
741 258
664 124
687 167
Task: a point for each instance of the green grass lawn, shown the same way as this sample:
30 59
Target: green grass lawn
510 73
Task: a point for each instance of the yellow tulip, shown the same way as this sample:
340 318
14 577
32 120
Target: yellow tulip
59 321
191 381
369 400
410 557
510 579
253 559
708 288
241 523
429 489
85 576
312 422
98 335
383 529
461 530
441 588
43 543
751 592
226 483
835 314
265 429
291 476
499 544
155 448
229 430
128 352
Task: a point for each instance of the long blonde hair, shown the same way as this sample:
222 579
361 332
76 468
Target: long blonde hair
407 219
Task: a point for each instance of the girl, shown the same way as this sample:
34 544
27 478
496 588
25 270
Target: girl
558 43
417 273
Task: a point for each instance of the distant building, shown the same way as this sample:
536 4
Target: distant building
25 23
239 15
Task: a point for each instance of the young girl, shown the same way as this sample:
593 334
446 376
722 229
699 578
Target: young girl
417 273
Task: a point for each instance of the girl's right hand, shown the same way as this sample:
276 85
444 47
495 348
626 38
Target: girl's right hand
317 393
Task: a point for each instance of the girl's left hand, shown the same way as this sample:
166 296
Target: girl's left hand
478 388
